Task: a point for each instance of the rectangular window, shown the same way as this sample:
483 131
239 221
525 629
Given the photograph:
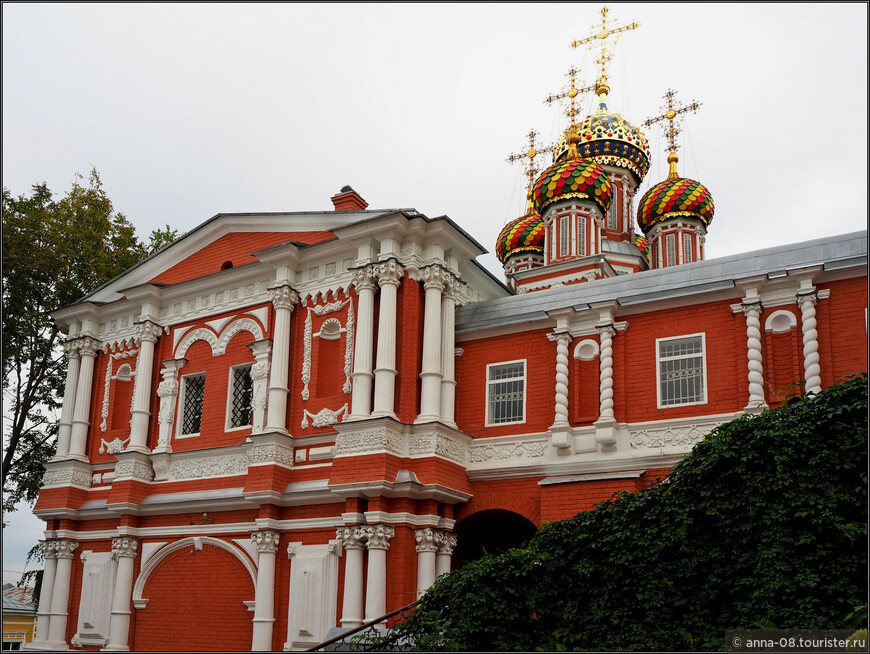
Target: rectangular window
241 392
671 250
581 236
611 212
193 392
505 393
564 234
681 370
687 248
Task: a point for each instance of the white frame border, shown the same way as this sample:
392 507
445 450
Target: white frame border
525 378
659 404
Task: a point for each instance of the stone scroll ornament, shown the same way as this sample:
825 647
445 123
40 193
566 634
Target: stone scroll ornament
324 417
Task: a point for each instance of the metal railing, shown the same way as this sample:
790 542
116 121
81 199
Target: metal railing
357 639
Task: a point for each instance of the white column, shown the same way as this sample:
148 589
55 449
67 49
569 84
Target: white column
389 275
445 543
46 591
378 542
361 398
352 602
430 388
167 391
79 434
264 598
64 427
426 549
146 334
807 300
752 311
60 593
560 435
260 381
124 552
448 352
605 426
284 299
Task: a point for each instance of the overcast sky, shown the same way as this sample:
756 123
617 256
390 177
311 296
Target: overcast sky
191 110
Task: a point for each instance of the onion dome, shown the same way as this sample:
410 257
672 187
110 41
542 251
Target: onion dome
642 244
674 197
525 234
572 178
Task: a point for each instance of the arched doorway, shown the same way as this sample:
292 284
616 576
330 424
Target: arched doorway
491 531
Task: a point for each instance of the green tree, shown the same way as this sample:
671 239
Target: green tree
54 253
763 524
162 237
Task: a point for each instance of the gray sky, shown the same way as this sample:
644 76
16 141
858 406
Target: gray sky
191 110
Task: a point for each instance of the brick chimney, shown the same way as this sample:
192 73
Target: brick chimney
348 200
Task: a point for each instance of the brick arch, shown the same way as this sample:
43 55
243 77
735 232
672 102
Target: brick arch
209 582
505 500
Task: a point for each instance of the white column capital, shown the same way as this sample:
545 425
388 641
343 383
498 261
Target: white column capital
266 541
378 536
426 539
807 296
71 348
364 278
351 537
389 272
48 549
64 549
446 541
86 346
124 547
147 330
284 297
434 276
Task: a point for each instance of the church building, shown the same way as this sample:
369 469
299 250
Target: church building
282 424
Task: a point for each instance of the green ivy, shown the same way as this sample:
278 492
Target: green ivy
764 523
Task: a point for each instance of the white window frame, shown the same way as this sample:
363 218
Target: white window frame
659 359
688 250
564 236
231 391
671 249
582 244
490 383
612 213
182 397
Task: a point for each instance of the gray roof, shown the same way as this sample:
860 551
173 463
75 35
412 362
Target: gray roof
700 277
17 600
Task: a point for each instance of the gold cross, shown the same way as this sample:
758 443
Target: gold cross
670 115
571 94
530 154
604 56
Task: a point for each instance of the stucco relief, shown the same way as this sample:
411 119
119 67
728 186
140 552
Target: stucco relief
483 452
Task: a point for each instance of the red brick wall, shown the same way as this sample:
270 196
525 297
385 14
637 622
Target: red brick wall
235 247
842 327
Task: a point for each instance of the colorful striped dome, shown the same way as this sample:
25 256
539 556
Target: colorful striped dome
525 234
672 198
573 178
607 138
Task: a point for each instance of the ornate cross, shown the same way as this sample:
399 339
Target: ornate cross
604 56
530 154
571 94
670 115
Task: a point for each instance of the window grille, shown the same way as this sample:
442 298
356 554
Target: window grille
506 390
611 212
191 414
687 248
671 249
681 371
564 233
243 391
581 236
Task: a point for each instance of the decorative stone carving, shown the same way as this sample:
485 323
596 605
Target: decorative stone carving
147 331
445 541
104 413
67 477
332 307
209 466
271 453
167 391
114 447
266 541
434 443
426 539
284 297
378 536
324 417
389 272
434 276
752 311
347 387
364 278
48 549
63 549
807 300
132 469
484 452
124 547
351 537
658 437
306 356
368 441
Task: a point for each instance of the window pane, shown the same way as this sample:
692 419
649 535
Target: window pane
506 392
681 371
243 390
194 390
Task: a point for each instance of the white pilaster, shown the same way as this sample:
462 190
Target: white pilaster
605 426
266 543
361 397
124 552
752 310
81 419
806 300
426 549
167 391
352 603
146 335
378 542
560 427
284 299
46 591
260 381
446 543
389 274
430 388
60 593
448 353
64 427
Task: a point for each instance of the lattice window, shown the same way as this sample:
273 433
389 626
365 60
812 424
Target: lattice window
506 393
681 370
581 236
687 248
191 409
564 234
671 249
612 211
242 392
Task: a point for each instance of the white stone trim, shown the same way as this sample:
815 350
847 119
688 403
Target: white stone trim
780 322
703 336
